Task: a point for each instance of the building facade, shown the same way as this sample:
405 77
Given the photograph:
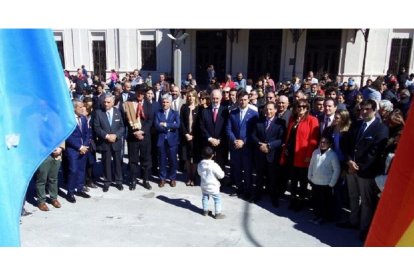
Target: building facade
254 52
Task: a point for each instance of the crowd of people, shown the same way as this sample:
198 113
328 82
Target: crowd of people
324 141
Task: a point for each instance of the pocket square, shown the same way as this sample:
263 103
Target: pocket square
368 138
117 120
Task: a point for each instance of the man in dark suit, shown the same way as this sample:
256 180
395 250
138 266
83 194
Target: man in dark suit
327 117
109 129
363 148
140 116
126 95
283 112
167 123
267 139
213 128
77 145
239 129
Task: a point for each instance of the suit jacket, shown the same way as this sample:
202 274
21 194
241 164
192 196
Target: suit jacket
215 130
180 103
366 150
79 137
273 136
321 119
102 128
98 101
185 120
171 131
145 124
131 97
241 130
286 117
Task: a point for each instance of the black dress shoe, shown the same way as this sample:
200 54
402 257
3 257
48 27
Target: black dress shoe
147 185
85 189
82 194
105 188
71 198
132 187
119 187
90 184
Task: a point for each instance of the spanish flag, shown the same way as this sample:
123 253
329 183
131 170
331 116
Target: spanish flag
393 223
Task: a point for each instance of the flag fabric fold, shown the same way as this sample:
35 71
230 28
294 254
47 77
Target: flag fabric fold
393 222
36 116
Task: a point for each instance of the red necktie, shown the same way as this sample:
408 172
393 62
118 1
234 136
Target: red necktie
215 114
140 111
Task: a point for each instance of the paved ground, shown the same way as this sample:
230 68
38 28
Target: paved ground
165 217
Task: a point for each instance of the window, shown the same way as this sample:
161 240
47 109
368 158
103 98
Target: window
99 54
400 54
59 43
148 51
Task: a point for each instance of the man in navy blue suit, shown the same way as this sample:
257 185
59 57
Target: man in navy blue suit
363 148
109 129
167 124
77 145
239 129
267 139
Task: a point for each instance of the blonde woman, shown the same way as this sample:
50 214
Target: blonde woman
190 133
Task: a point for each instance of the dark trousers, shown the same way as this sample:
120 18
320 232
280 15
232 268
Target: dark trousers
363 200
266 173
154 157
107 166
282 179
321 198
299 183
241 169
139 151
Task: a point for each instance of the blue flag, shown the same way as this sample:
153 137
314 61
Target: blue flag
36 115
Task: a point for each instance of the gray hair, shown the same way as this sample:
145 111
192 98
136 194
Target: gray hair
109 95
386 105
166 97
75 102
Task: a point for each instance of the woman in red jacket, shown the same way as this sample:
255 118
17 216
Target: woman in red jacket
301 140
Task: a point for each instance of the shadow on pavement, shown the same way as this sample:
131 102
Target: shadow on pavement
181 202
328 233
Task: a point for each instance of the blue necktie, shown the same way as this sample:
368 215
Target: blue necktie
361 130
109 118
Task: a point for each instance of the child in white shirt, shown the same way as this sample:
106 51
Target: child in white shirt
210 173
323 173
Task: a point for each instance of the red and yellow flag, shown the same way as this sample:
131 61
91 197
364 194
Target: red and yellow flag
393 223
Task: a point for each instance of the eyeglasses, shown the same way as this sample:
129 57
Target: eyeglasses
302 106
